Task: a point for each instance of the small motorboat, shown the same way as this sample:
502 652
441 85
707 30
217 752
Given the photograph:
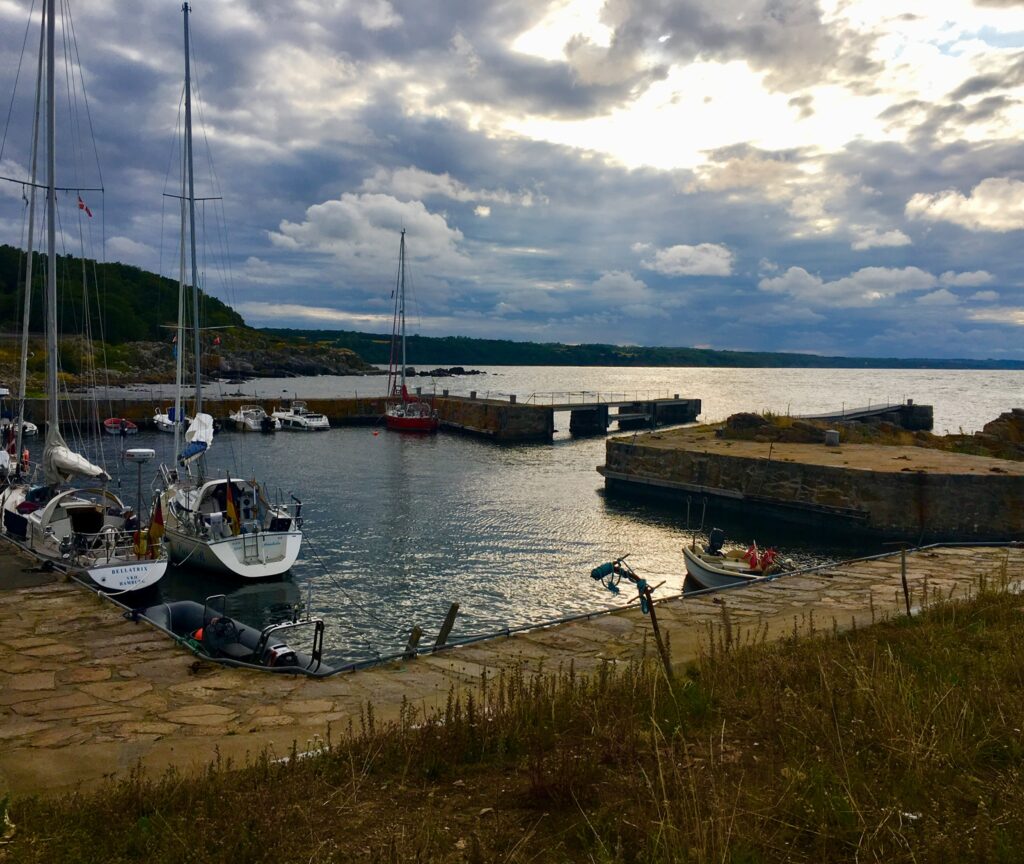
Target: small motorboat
719 568
252 418
164 420
28 429
209 632
120 426
298 417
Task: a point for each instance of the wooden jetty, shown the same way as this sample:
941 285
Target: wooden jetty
85 693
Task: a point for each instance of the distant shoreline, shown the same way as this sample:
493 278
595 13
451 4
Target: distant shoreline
426 351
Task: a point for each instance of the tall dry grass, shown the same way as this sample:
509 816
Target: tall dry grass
899 742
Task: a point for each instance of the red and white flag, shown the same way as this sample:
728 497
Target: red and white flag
82 206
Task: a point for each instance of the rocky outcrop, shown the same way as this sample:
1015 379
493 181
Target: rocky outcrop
285 360
245 354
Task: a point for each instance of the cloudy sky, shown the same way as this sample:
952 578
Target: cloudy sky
840 176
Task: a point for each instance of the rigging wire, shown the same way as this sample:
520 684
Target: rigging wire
17 76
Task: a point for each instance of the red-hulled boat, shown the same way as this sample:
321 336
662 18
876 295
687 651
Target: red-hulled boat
120 426
404 412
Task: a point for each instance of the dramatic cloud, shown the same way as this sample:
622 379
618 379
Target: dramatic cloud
797 175
995 204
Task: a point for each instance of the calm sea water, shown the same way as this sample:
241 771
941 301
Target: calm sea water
398 527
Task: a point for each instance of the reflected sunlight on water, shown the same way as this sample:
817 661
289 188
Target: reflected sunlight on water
398 527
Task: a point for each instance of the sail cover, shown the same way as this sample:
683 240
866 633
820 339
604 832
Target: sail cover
198 438
61 463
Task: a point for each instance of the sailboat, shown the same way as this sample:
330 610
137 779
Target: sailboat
224 524
88 530
404 412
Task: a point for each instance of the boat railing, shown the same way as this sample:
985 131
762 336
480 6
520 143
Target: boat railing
110 544
317 650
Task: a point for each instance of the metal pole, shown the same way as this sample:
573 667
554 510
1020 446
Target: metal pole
26 314
401 301
51 221
185 8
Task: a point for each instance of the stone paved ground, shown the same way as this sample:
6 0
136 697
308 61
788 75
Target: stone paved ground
85 693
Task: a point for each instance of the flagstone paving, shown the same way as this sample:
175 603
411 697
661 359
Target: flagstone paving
85 693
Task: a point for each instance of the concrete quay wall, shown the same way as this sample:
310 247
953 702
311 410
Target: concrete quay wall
937 504
491 418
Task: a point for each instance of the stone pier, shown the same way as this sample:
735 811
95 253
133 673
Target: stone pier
915 493
86 694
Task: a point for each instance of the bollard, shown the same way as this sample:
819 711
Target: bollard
512 398
414 640
444 393
446 628
472 394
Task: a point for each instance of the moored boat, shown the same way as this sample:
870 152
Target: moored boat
120 426
206 629
298 417
164 421
718 568
226 525
404 412
253 418
87 530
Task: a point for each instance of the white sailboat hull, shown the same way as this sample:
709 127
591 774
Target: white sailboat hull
252 556
108 559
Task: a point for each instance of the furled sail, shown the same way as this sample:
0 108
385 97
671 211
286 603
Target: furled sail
198 438
61 463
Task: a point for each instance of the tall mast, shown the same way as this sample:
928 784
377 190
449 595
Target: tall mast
401 302
185 8
51 221
27 313
179 338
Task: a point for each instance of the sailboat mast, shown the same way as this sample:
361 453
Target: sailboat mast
185 8
51 220
401 302
179 339
27 312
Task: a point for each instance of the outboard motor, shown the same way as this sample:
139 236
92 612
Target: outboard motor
268 425
715 540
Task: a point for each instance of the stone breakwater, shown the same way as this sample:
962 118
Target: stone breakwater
880 490
85 693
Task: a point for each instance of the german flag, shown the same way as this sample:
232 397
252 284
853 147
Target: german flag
231 510
156 524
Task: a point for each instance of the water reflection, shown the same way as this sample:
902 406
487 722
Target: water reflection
399 527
